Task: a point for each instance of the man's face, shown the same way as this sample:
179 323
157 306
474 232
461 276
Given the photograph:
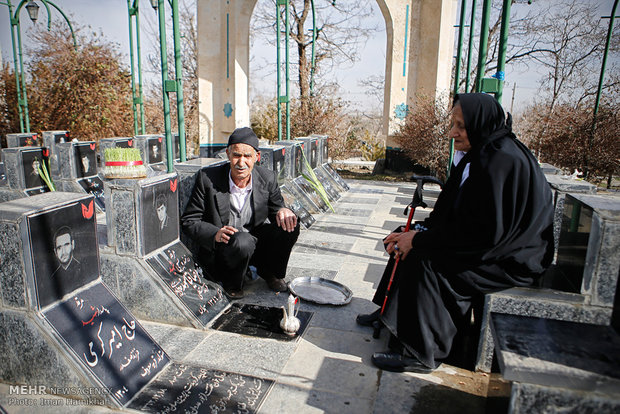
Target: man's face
35 165
64 248
242 159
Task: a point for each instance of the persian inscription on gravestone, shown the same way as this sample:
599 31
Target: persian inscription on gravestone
94 186
195 389
259 321
295 205
108 341
160 214
64 251
176 267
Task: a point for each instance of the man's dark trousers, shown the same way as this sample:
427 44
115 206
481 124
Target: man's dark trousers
267 247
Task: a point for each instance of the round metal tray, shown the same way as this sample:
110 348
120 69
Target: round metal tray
319 290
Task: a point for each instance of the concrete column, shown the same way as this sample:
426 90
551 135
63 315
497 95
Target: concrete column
223 68
420 43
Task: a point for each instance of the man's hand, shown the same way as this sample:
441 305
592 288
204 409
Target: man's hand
399 244
223 234
286 219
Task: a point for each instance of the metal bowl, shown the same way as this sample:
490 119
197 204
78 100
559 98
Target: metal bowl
319 290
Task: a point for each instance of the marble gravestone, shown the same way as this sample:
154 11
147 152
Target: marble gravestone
28 139
294 158
78 334
295 201
144 261
558 366
21 165
77 170
50 139
153 151
323 148
311 150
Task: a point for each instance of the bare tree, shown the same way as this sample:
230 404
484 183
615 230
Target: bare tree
340 34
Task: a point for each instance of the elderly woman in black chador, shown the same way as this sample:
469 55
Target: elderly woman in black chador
490 229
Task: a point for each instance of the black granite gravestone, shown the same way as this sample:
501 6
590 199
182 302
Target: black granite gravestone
108 341
28 139
94 186
50 140
293 202
175 265
63 250
323 148
266 157
159 213
329 184
22 170
195 389
153 151
294 158
304 186
259 321
337 178
311 149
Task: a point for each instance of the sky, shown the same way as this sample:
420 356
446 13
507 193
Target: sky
110 17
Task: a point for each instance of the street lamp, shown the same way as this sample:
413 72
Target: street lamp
33 13
33 10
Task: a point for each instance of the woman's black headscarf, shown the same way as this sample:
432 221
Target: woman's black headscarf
502 213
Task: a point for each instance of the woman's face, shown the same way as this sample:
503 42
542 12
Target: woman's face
458 131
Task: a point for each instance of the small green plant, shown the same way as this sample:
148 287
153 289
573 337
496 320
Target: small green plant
45 175
123 163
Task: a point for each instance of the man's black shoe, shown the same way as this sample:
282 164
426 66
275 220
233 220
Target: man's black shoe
392 361
368 319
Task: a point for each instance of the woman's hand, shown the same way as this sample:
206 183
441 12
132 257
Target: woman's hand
399 244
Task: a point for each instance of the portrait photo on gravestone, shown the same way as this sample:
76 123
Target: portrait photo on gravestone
155 150
160 214
31 161
86 159
64 250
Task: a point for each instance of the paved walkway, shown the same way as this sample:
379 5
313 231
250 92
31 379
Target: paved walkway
328 368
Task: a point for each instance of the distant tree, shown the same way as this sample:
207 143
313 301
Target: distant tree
86 91
423 136
568 141
9 117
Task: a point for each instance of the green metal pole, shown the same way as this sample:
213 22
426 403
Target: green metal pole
24 101
178 74
166 86
503 42
140 100
484 41
604 63
132 12
49 22
286 47
459 50
278 64
470 44
15 23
